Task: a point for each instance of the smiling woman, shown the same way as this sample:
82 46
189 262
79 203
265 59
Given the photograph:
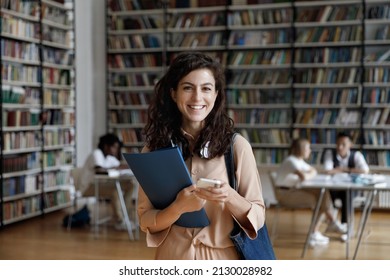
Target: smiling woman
188 110
195 97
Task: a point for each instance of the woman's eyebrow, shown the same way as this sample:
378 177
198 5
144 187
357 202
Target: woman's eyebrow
189 83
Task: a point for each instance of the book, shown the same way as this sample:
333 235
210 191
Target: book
162 174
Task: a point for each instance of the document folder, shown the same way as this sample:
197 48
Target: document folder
162 174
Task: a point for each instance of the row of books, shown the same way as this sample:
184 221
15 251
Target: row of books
19 50
57 158
376 116
259 77
133 42
190 20
377 137
58 97
267 57
20 185
22 6
270 156
135 79
16 118
18 27
330 34
382 33
58 56
128 116
260 116
131 5
129 98
328 76
379 12
55 35
259 37
328 55
21 140
56 76
329 13
377 95
58 117
57 136
377 158
325 136
56 198
21 207
134 22
20 73
54 14
327 116
377 74
193 40
134 61
328 96
57 178
256 96
266 136
260 17
130 135
22 162
20 95
378 56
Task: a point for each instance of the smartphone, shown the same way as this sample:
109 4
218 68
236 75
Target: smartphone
205 183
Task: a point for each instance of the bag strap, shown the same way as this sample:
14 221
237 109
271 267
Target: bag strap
229 161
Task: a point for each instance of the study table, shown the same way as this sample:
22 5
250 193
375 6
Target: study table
116 177
370 183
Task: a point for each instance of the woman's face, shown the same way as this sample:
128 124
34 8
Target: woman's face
112 150
195 97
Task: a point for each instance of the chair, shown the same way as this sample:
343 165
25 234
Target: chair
77 195
288 199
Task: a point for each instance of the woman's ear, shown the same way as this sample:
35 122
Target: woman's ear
173 95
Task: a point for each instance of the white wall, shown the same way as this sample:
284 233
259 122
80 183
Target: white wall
90 75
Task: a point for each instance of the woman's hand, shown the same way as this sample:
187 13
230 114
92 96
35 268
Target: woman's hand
188 201
216 194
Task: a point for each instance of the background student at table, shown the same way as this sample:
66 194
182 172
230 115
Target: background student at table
343 160
295 169
105 157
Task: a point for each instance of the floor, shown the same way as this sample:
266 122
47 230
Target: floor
44 238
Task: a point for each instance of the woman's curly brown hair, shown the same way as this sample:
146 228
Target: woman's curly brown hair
164 118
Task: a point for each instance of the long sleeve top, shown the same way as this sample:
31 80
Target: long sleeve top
211 242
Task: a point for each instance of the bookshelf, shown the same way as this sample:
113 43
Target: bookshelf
259 86
328 69
135 59
37 64
294 68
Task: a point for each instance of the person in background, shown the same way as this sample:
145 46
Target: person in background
344 160
293 170
106 157
188 109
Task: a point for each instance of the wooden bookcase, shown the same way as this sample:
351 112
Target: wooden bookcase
38 107
294 68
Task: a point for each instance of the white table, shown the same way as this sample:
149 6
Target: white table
116 179
324 183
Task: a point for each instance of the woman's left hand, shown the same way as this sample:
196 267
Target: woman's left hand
217 194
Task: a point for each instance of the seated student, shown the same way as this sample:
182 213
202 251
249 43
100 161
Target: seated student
343 160
105 157
295 169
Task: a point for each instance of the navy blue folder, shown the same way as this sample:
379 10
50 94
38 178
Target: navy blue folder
162 174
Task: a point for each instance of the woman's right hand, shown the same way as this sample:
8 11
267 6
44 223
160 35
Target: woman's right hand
187 201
